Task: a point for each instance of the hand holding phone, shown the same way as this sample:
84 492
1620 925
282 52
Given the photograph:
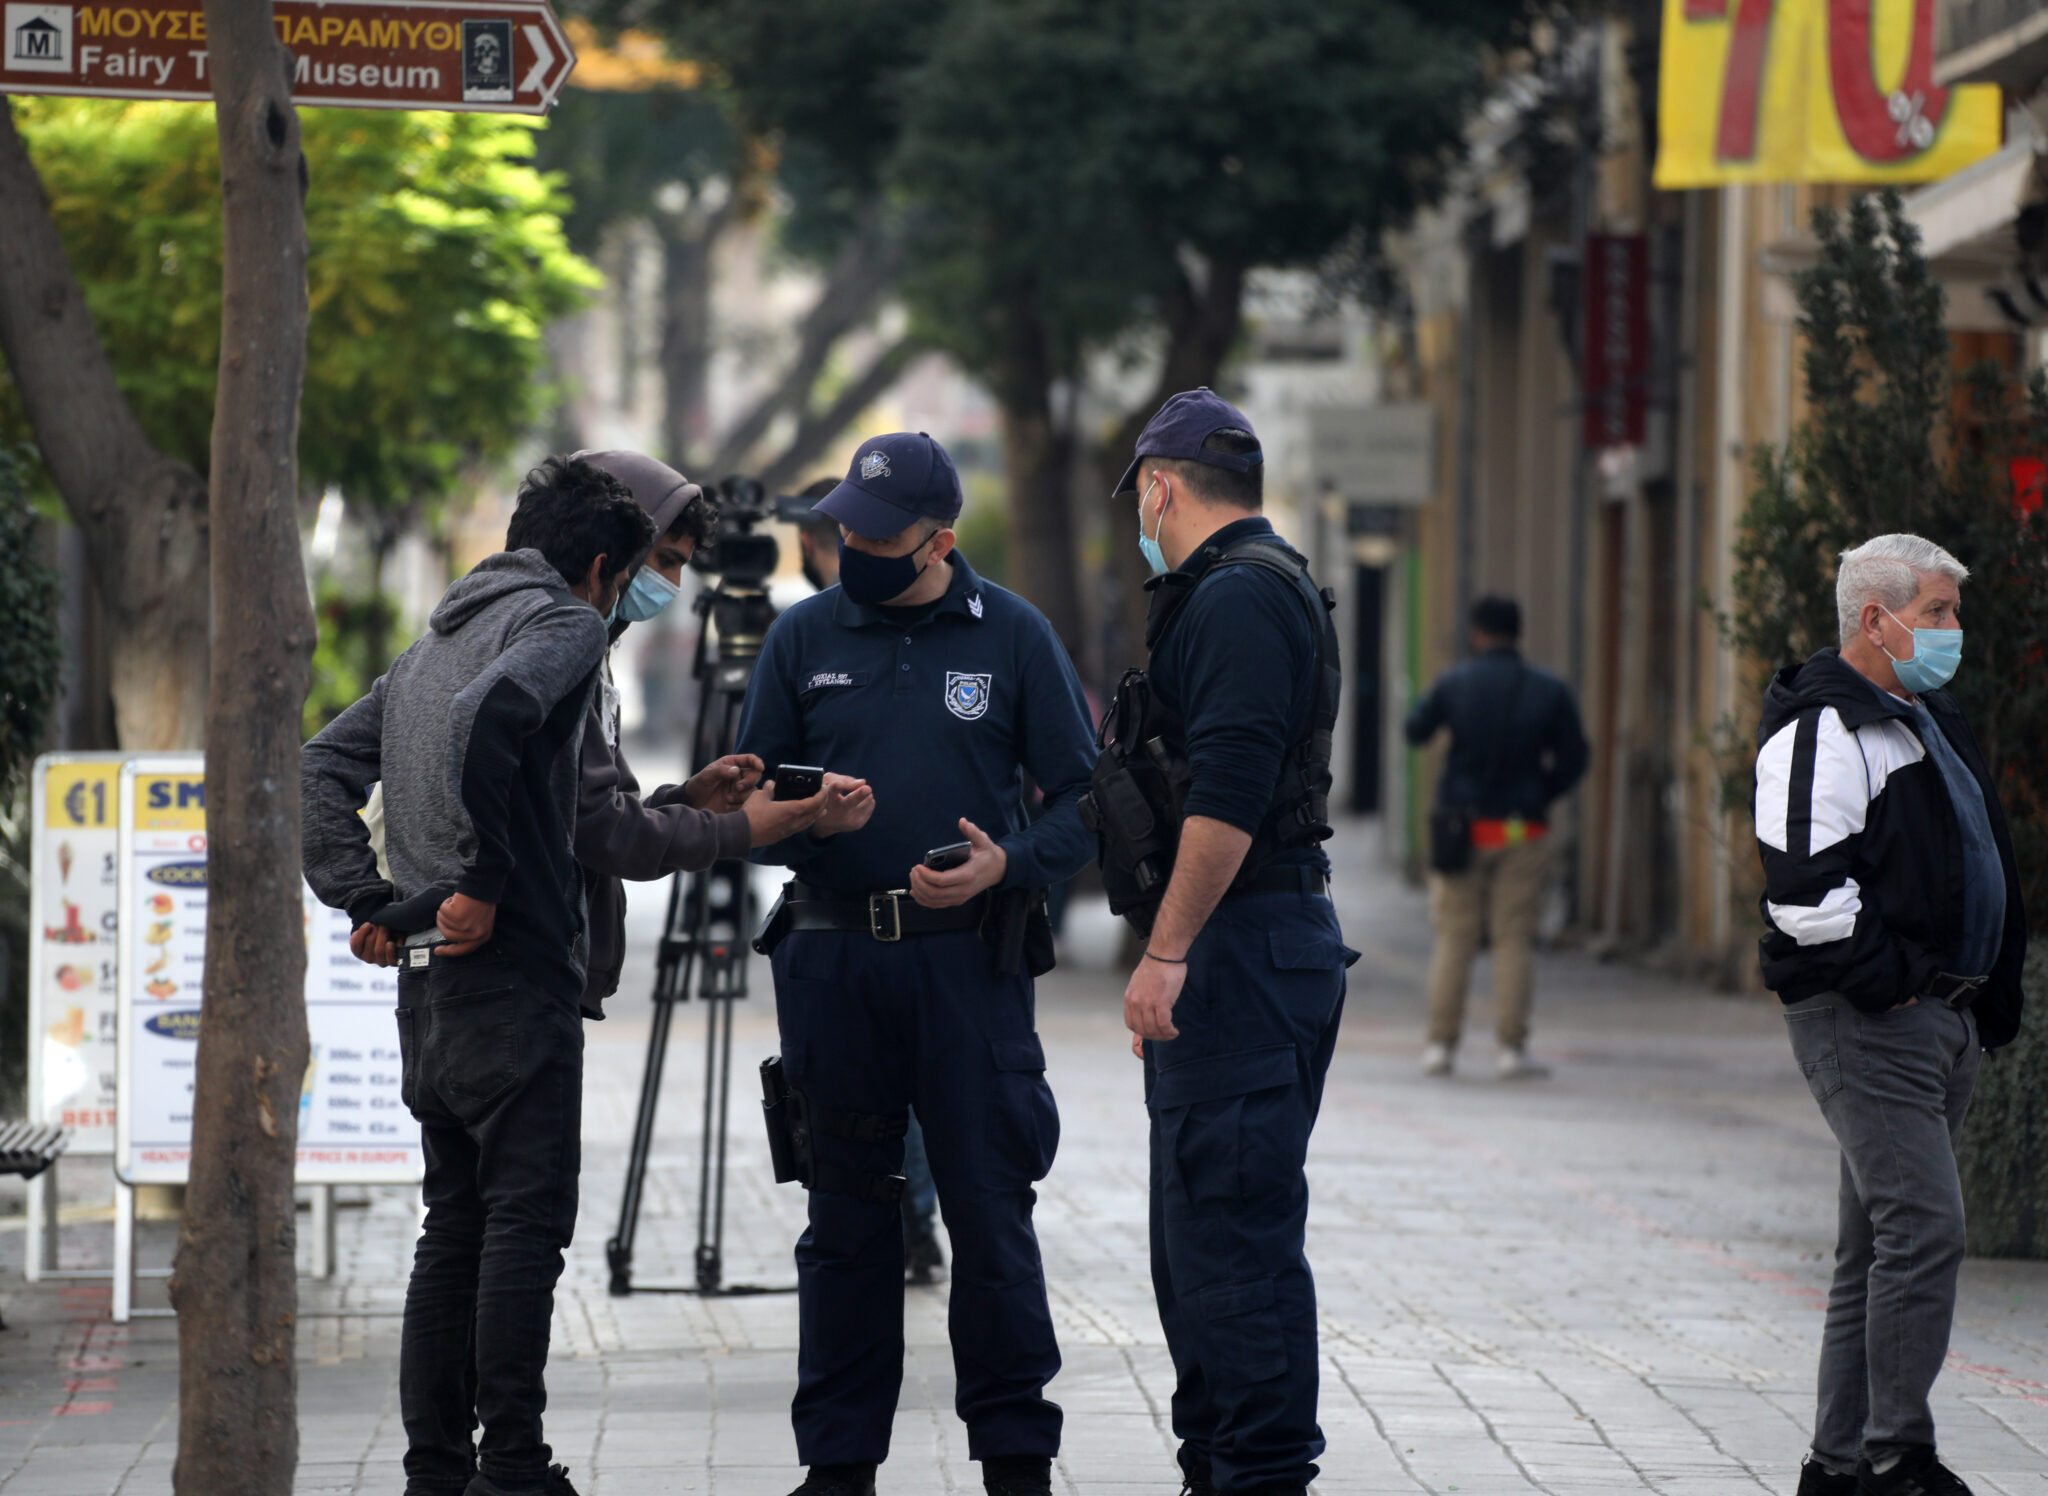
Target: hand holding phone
797 781
945 859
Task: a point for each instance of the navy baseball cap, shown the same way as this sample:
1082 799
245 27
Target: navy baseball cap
1182 425
895 481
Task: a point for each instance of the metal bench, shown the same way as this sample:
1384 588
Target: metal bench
28 1148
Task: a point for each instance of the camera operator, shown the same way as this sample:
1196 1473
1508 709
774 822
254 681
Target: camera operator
718 813
817 538
897 985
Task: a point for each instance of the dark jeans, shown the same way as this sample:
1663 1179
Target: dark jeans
1232 1103
930 1023
1893 1087
494 1073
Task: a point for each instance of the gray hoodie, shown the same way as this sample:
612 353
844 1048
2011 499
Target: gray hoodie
474 734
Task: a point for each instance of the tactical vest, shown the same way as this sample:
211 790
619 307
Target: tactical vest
1139 792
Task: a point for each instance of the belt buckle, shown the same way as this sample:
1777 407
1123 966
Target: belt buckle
1961 991
895 908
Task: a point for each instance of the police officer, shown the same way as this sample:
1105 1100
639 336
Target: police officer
1235 1003
899 986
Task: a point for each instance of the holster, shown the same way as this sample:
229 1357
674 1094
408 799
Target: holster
1018 928
793 1123
773 928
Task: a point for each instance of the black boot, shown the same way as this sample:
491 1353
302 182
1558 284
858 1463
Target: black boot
557 1483
1017 1475
1197 1480
1918 1473
838 1480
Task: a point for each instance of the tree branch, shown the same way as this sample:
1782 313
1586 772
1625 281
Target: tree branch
817 431
864 271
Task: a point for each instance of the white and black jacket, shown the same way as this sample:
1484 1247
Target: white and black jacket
1862 855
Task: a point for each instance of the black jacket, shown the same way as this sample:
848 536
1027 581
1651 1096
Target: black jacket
1862 854
1516 743
621 834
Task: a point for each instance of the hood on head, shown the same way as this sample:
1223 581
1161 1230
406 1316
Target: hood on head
490 579
658 488
1826 679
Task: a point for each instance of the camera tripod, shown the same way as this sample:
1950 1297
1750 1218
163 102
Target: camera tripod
710 920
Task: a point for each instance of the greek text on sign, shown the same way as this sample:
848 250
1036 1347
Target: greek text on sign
505 56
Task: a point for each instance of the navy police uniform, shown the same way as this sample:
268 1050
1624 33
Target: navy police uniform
941 710
1232 1100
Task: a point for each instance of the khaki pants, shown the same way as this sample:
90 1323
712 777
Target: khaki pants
1498 894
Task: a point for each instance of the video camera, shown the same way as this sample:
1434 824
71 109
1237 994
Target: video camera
736 552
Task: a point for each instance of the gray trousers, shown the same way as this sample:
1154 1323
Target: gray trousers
1893 1087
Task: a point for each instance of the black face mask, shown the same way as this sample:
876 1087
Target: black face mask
873 580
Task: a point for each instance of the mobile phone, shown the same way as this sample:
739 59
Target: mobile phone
797 781
945 859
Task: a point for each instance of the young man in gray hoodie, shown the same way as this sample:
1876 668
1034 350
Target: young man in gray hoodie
473 735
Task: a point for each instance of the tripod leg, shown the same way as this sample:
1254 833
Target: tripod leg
671 978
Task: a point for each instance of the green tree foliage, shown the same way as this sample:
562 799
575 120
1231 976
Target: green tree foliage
438 256
1892 442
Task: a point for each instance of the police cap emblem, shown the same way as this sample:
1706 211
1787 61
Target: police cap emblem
875 465
966 695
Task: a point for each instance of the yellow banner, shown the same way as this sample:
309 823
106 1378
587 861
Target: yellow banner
1812 91
170 802
80 796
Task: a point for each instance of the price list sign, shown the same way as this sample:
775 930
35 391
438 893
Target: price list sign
353 1128
74 920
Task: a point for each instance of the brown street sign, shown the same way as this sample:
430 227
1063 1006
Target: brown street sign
501 56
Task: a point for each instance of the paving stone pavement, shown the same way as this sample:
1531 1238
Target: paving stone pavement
1610 1280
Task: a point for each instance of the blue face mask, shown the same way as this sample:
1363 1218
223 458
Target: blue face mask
1148 545
1936 654
649 594
873 580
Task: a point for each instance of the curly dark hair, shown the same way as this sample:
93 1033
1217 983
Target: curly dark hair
698 520
572 512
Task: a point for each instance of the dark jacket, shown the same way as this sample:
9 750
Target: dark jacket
1862 853
473 733
621 834
1516 744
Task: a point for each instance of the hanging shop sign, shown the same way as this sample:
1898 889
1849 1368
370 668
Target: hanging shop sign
1812 91
1617 340
494 56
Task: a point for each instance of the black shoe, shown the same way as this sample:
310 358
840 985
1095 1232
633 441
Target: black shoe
838 1480
1815 1479
923 1262
1017 1475
1918 1473
1197 1482
557 1483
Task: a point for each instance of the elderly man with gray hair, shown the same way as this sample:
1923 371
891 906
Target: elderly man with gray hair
1894 936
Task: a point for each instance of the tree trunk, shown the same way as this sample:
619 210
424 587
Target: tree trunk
235 1284
142 515
1202 325
817 430
1038 464
687 243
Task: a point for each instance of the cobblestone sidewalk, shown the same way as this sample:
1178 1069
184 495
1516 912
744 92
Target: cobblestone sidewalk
1609 1280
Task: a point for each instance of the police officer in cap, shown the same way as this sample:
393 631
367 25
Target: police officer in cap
1235 1003
897 985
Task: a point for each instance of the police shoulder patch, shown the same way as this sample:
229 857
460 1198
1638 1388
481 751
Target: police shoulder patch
966 694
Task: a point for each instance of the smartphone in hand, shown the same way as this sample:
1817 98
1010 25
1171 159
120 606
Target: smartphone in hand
945 859
797 781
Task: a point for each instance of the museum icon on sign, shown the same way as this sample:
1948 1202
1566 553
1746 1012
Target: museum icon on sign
38 39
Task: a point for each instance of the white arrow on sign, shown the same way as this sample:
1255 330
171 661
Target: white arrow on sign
543 58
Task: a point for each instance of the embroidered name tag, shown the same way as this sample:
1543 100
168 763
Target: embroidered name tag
836 678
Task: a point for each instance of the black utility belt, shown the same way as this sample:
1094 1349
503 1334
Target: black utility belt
1285 880
887 915
1953 991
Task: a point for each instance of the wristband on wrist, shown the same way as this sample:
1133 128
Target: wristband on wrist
1167 960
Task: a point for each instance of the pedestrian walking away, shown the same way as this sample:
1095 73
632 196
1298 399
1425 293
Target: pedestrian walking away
904 979
473 736
720 812
1211 801
1894 937
1516 747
